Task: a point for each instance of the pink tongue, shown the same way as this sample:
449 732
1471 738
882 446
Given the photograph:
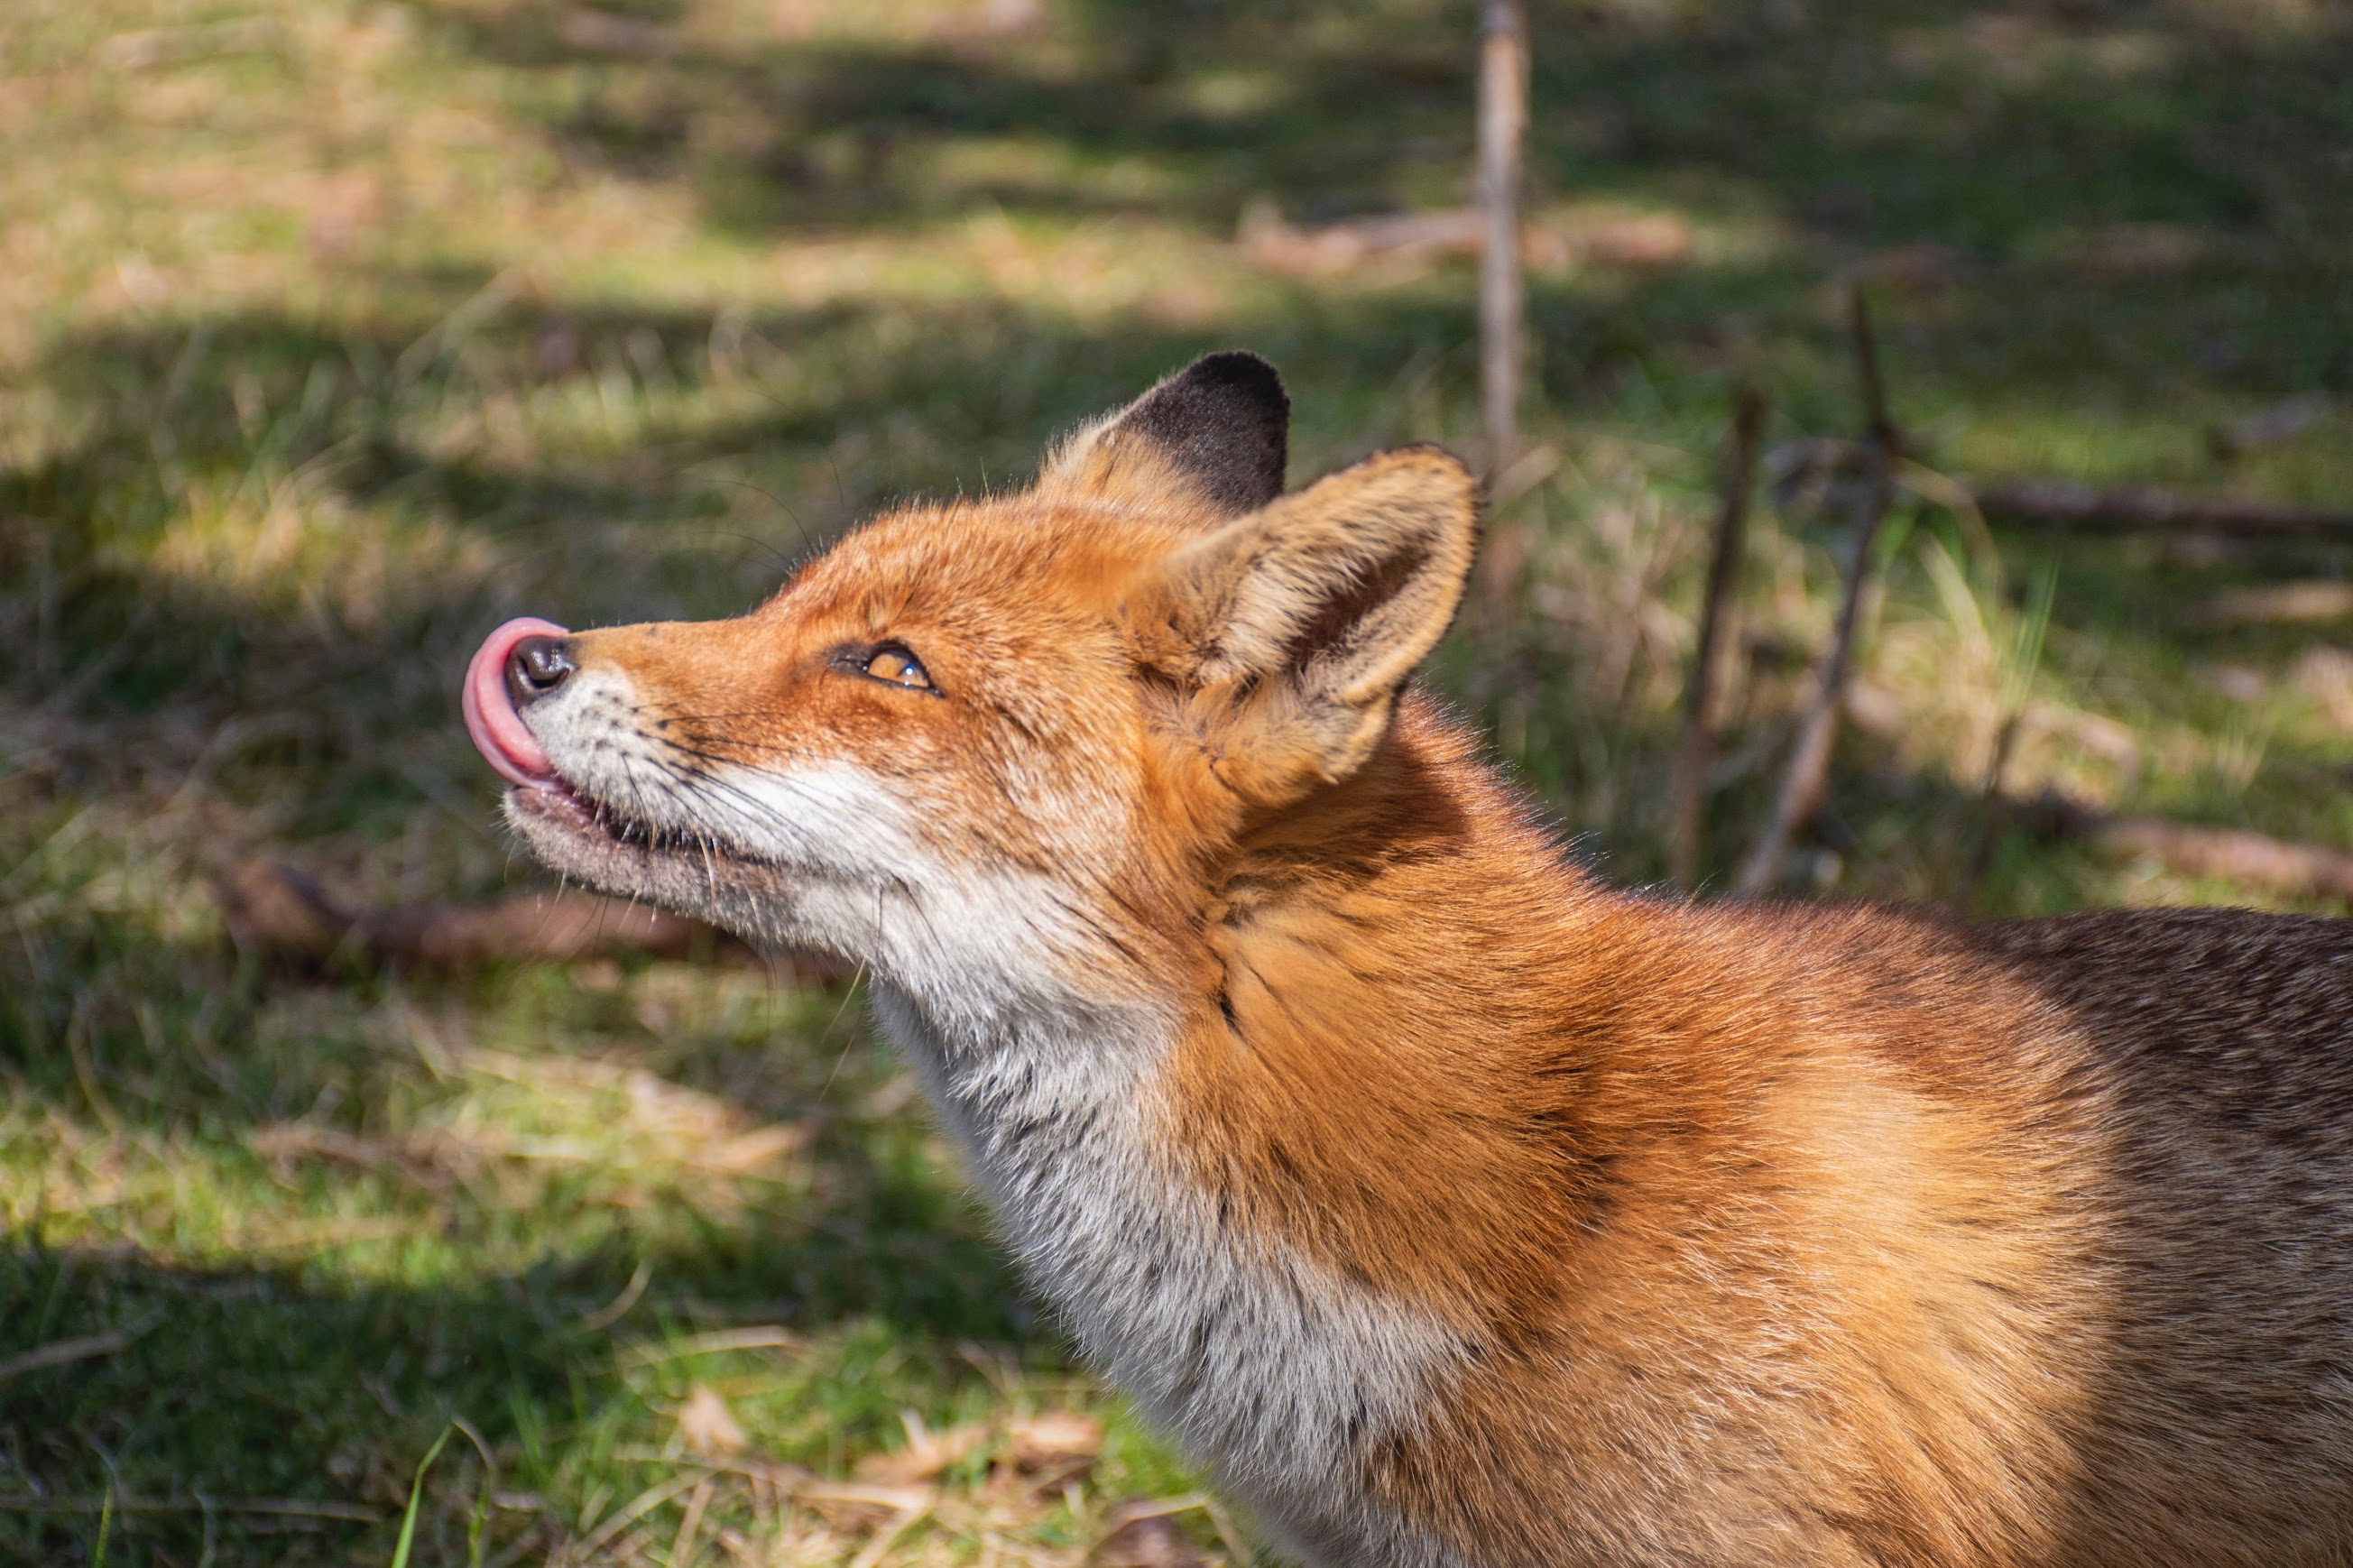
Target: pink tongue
499 731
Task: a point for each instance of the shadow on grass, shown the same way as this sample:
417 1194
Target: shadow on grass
1988 127
143 1080
676 462
239 1383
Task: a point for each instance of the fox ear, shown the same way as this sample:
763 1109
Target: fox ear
1289 632
1218 428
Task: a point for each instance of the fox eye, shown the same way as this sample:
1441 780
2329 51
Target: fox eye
897 666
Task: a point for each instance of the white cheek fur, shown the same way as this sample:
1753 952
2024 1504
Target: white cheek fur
853 874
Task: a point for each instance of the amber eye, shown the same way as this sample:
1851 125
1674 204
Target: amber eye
897 666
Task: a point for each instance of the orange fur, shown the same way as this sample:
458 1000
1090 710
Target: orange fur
1749 1234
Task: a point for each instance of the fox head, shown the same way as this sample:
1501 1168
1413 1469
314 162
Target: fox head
1000 750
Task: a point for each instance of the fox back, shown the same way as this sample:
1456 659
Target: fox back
1453 1207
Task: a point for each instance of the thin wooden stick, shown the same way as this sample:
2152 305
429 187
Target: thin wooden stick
1716 638
682 1547
1502 124
63 1352
1807 779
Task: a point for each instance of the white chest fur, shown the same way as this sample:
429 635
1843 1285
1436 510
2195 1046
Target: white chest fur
1258 1361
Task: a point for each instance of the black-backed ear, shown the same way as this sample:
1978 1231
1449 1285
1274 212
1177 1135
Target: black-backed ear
1290 630
1219 428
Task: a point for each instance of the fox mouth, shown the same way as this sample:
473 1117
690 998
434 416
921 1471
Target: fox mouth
540 796
606 846
557 801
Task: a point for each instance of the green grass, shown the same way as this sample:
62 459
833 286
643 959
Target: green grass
335 332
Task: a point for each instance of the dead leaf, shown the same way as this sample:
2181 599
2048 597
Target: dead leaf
1145 1540
857 1507
706 1428
2237 682
750 1151
927 1453
1053 1447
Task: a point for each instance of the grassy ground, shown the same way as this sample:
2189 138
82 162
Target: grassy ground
334 332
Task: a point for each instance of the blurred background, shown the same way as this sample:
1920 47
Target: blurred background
333 333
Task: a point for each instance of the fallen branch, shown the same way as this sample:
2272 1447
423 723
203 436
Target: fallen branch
1587 233
2279 603
1807 779
2256 859
2237 854
1814 469
1717 639
274 908
2231 853
2124 509
63 1352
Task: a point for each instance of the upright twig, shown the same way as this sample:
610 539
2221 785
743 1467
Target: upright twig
1807 779
1716 638
1502 124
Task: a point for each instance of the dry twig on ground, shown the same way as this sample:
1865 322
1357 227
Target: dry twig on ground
274 908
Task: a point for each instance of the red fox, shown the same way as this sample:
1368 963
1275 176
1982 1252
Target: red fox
1455 1209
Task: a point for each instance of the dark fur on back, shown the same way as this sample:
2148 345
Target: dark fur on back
2224 1041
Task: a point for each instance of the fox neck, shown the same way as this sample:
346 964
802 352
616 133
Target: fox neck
1197 1178
1255 1357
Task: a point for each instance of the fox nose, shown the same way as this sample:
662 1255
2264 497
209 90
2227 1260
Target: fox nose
538 666
499 680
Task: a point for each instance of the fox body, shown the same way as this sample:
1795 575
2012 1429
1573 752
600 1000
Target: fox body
1451 1207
